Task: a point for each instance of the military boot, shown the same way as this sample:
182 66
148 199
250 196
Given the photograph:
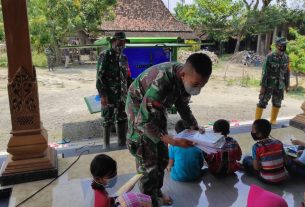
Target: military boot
274 113
106 136
113 129
258 113
121 132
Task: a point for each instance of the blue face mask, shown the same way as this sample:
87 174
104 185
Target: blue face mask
111 182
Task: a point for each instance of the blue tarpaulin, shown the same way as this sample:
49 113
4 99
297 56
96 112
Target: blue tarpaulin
140 59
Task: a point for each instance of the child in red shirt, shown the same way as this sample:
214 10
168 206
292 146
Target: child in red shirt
225 161
104 172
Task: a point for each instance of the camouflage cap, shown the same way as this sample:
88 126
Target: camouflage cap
120 36
281 41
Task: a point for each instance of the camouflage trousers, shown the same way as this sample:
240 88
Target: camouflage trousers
50 61
276 94
112 113
151 161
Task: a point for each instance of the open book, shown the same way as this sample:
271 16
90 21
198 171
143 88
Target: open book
209 142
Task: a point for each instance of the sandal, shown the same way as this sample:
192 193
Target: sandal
64 141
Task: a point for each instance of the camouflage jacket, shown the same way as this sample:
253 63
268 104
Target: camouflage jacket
275 72
111 80
157 88
49 52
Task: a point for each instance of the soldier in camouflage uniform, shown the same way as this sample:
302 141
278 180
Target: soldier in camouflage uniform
150 94
50 57
112 71
275 79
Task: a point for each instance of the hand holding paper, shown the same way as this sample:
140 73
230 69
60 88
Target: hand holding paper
208 142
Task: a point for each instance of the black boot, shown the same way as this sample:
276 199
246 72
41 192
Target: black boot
121 132
106 136
113 129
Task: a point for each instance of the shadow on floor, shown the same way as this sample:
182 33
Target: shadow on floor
233 190
77 131
211 191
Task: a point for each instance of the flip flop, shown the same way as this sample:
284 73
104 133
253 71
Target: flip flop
64 141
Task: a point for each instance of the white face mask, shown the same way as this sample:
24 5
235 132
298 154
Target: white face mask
192 90
110 184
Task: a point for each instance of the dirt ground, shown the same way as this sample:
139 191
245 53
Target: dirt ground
65 115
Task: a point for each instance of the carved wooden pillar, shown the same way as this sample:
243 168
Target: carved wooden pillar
30 157
299 120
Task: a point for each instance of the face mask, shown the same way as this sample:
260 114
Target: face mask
283 49
118 49
254 136
192 90
111 182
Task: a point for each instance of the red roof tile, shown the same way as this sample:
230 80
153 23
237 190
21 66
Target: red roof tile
144 16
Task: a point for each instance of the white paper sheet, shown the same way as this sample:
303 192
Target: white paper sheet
208 142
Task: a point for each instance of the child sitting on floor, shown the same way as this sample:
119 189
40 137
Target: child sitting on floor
267 161
104 172
185 164
225 161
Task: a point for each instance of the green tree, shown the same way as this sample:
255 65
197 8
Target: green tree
1 25
52 21
248 23
189 14
296 53
218 15
215 17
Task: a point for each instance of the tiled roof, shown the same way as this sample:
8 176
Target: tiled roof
183 35
144 16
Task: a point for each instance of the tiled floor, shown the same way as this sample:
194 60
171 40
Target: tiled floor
70 189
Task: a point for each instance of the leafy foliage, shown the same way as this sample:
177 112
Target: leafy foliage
52 21
296 52
222 19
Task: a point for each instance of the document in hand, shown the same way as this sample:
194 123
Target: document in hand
209 142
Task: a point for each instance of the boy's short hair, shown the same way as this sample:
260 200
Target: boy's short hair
222 126
180 126
263 126
201 63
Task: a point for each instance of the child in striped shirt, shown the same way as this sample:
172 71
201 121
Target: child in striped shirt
267 161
